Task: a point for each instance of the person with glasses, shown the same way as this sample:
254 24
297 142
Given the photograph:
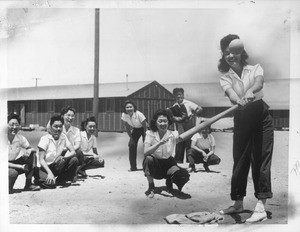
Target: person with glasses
20 163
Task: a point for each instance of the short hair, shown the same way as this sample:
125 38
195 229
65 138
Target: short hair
85 122
65 109
160 112
177 90
56 117
14 116
129 102
223 66
207 127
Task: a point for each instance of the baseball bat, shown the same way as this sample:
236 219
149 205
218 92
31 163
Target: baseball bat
189 133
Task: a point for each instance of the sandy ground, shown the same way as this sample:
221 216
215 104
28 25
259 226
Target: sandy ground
112 195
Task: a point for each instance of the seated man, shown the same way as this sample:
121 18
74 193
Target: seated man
18 165
56 169
202 150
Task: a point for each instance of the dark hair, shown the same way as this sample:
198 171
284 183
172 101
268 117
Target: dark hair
13 116
176 90
223 67
208 127
56 117
158 113
85 122
65 109
129 102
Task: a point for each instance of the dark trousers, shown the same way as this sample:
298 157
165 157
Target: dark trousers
252 145
181 148
14 173
195 156
91 163
158 168
64 170
136 134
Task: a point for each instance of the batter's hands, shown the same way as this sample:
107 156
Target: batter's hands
249 96
164 140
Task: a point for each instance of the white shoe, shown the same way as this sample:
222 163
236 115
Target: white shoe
257 217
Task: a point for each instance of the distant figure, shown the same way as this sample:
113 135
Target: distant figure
88 146
136 126
202 150
55 168
159 147
23 164
182 113
253 128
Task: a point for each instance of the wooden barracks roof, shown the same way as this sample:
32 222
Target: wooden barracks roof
277 92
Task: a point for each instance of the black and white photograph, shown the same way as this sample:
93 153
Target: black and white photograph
150 115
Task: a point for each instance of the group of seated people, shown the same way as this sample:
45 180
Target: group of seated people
65 152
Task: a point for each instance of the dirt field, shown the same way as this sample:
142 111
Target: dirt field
114 196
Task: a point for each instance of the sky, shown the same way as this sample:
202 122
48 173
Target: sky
169 45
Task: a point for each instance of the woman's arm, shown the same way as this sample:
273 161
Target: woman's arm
50 177
149 149
256 87
193 145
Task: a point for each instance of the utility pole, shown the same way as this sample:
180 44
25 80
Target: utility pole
96 64
36 81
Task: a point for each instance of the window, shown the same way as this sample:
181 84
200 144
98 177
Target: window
89 105
110 104
51 106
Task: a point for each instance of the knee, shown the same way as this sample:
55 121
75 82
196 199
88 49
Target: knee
74 161
149 159
12 173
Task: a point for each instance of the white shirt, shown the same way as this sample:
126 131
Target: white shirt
203 143
190 106
73 135
87 145
241 85
53 148
135 120
15 147
166 150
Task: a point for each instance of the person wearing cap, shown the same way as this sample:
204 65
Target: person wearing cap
17 163
182 113
202 150
253 136
159 148
136 126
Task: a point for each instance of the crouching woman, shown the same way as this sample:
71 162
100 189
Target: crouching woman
159 146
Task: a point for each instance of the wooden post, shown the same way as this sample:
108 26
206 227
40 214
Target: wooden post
96 65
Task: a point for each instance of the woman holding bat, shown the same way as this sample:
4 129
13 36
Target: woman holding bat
159 149
253 127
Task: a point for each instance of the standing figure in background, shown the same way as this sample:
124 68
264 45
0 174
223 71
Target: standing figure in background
182 113
159 148
202 150
23 164
73 135
88 146
253 136
136 126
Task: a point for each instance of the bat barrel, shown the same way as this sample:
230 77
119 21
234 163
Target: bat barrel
189 133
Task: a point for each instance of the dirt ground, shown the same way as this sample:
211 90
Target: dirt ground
114 196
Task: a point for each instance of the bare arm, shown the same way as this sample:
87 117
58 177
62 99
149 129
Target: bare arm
193 145
50 177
